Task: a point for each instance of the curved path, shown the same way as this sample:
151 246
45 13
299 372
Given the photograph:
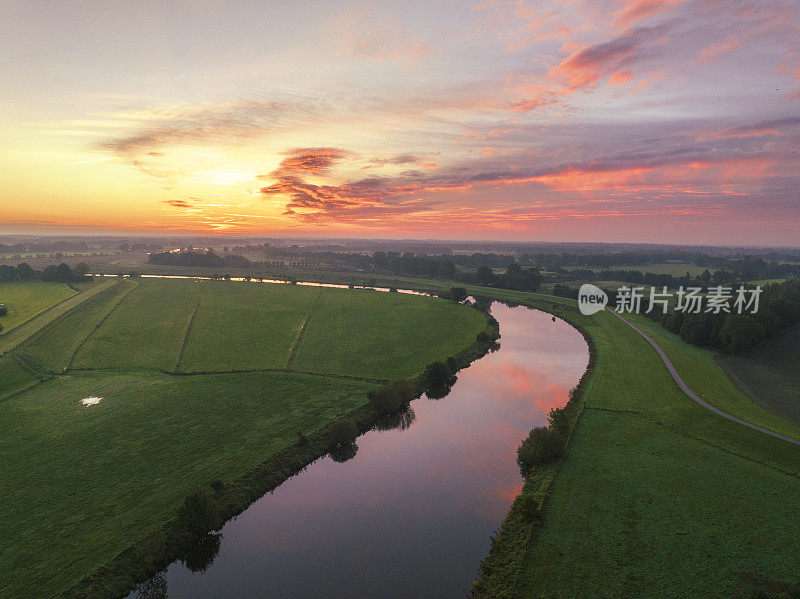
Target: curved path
691 393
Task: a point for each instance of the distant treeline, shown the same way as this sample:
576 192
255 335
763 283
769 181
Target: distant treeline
62 273
198 258
444 266
779 308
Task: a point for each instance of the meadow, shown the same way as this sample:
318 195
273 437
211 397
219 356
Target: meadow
200 382
656 495
768 373
25 300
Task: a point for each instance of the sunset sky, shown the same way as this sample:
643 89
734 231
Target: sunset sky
623 120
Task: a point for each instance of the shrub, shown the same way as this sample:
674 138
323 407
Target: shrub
392 397
542 446
558 420
527 506
199 511
302 440
457 294
437 374
342 431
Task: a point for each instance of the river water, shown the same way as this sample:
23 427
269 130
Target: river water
413 512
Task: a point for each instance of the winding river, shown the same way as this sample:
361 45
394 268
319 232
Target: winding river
413 512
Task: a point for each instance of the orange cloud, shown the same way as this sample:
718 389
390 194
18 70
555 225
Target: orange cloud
632 11
620 78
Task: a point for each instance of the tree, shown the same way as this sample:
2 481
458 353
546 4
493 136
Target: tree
25 272
484 275
740 332
80 269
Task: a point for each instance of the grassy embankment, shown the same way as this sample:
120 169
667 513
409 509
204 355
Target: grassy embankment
769 373
81 483
656 496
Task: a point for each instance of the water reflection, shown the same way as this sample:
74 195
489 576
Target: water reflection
400 420
251 279
202 553
344 452
413 513
155 588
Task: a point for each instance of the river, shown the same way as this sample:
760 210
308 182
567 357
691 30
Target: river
413 512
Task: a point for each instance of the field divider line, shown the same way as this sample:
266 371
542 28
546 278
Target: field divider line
96 327
302 330
692 395
90 293
186 335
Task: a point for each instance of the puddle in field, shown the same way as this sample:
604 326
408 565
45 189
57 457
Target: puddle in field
90 401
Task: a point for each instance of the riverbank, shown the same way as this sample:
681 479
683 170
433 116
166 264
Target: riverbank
649 478
167 542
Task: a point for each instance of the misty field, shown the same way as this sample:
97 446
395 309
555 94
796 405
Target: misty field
200 381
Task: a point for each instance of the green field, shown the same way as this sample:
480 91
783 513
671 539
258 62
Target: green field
85 481
769 373
657 496
25 300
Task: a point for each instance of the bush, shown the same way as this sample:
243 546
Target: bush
392 397
437 374
342 432
199 511
457 294
558 421
527 506
3 310
542 446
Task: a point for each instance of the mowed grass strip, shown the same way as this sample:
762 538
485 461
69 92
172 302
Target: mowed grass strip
56 344
24 300
245 326
146 330
80 483
13 338
382 335
640 511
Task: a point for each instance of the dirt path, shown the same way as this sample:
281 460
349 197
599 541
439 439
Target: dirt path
692 394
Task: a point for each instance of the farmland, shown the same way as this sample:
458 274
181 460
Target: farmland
26 300
199 382
768 373
650 478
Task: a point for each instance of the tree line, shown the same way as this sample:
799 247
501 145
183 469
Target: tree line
198 258
779 308
61 273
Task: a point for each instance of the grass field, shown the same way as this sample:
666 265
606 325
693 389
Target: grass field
769 375
25 300
658 497
85 481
